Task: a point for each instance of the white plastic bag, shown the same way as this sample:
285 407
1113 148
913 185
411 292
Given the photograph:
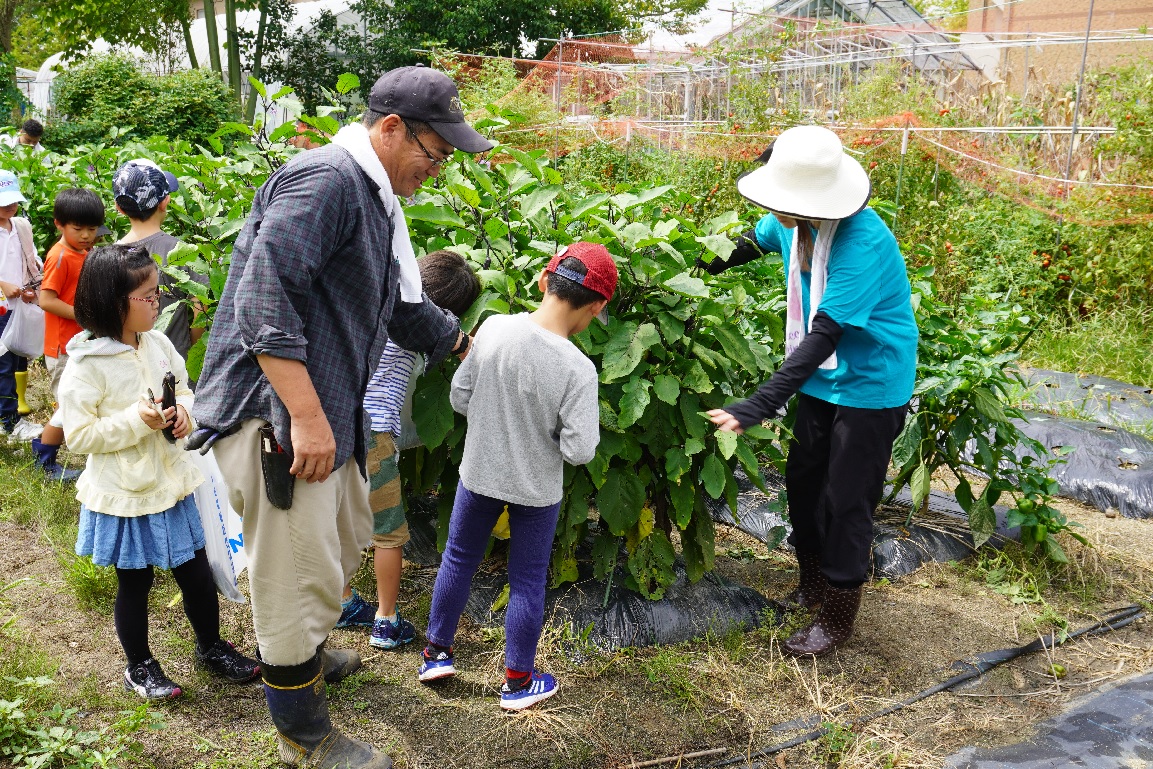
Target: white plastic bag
222 528
408 438
24 334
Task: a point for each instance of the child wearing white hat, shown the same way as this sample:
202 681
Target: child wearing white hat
851 358
20 270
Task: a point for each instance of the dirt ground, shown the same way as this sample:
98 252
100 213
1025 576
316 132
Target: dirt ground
721 695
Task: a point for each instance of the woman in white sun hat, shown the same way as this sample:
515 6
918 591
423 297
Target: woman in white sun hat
851 356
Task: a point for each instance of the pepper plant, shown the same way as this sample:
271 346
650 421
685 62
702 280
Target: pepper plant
961 420
678 343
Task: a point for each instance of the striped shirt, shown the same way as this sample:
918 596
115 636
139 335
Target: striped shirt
387 389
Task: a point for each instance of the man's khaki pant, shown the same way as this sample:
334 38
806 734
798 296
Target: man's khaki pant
299 559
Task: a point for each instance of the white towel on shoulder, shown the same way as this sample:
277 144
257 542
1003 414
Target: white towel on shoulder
354 139
796 325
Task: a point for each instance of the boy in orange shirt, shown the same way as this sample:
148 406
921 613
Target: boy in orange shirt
78 215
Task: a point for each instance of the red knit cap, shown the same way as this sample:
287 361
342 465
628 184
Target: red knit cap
601 275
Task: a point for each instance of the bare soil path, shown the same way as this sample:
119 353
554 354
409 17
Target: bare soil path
614 709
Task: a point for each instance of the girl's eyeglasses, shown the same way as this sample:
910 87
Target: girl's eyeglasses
153 299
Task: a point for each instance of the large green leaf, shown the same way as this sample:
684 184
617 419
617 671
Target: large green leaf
677 463
537 199
431 412
626 200
667 388
635 401
526 160
727 443
698 546
736 346
687 285
713 476
919 485
683 496
651 565
434 214
626 347
982 521
696 379
908 442
585 205
620 499
988 404
720 245
752 468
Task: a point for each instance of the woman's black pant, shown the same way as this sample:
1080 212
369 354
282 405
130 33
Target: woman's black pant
834 476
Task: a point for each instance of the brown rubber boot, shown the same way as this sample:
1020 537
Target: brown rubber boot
831 628
810 590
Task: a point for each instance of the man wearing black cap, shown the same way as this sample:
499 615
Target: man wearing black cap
322 275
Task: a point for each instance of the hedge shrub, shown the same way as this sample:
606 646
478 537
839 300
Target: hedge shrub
110 91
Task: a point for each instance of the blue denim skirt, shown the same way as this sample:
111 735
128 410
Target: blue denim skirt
165 539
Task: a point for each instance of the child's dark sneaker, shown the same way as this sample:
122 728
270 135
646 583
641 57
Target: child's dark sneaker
357 612
435 665
537 687
387 634
223 661
149 681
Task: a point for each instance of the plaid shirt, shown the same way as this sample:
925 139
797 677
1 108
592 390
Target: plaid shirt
313 279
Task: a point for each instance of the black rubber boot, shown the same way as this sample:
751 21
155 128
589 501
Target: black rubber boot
46 461
298 702
810 589
339 664
831 628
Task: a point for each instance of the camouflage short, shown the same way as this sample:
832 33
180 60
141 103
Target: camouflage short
389 527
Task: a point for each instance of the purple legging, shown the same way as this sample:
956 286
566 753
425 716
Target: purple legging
531 531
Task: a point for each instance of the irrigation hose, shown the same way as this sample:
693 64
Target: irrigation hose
971 668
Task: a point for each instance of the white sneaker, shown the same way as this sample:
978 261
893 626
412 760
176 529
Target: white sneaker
25 430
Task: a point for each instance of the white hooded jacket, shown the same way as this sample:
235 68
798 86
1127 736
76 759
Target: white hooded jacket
132 469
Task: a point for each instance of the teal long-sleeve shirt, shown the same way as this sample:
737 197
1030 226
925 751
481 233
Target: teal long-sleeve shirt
867 294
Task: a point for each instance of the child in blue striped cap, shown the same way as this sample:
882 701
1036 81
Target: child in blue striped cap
451 285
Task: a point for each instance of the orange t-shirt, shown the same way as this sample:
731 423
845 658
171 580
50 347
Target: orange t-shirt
61 274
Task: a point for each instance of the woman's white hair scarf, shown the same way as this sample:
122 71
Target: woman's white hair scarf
796 325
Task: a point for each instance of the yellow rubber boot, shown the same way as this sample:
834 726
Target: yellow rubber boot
22 406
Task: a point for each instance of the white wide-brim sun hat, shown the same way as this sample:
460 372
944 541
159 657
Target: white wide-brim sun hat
808 176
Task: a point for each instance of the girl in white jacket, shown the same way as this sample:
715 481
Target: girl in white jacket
136 504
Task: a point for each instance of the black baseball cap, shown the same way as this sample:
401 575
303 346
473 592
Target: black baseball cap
424 94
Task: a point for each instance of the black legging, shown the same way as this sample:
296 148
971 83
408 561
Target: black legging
199 597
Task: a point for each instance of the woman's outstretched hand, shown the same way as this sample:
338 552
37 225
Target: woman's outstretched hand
725 421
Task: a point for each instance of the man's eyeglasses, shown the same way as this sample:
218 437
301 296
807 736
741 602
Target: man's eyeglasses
436 162
153 299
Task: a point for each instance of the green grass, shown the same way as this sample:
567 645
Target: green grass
1112 343
31 501
675 673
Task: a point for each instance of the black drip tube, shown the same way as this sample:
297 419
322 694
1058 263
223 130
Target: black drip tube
970 669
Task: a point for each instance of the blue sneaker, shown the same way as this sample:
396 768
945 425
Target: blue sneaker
433 668
357 613
389 635
538 687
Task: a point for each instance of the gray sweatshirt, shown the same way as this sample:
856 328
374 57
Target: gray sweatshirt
530 397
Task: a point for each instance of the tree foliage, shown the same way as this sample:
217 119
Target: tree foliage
141 23
391 33
110 92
